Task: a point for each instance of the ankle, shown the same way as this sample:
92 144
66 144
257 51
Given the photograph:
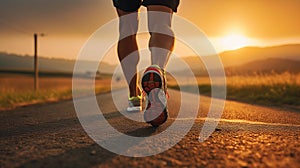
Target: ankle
135 93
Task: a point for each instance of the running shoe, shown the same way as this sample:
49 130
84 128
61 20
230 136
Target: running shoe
154 86
134 104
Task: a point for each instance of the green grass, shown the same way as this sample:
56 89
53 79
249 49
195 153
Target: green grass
16 88
13 99
263 89
277 94
10 100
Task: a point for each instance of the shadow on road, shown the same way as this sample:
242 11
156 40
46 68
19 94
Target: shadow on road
87 156
78 157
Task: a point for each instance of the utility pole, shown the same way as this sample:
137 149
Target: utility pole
36 70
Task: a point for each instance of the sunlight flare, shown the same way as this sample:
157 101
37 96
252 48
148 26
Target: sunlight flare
234 41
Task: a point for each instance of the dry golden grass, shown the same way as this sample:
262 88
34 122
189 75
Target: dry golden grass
266 89
264 79
16 90
20 83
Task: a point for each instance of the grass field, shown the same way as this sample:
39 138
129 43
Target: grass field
265 89
17 89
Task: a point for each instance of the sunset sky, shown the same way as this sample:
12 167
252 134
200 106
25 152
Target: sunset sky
69 23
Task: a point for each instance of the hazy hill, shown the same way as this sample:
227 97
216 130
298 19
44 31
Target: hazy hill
253 59
17 62
267 65
249 54
258 66
249 59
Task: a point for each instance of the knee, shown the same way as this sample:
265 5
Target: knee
164 29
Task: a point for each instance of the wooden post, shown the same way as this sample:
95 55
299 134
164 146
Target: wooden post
36 71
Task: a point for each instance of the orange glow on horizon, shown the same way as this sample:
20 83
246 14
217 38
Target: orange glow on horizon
234 41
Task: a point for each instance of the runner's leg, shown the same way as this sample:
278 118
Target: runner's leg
127 48
161 43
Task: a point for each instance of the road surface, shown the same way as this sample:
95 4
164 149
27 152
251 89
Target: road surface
50 135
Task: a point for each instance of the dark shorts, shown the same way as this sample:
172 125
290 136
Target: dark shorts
134 5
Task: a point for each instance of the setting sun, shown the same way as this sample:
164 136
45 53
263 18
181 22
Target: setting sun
234 41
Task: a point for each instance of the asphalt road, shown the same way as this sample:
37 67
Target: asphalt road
50 135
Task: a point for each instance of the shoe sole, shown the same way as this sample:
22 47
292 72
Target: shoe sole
152 80
134 109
